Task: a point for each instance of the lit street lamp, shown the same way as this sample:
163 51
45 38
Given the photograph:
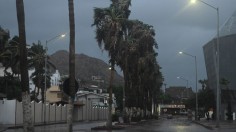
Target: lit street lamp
195 58
217 52
46 48
45 75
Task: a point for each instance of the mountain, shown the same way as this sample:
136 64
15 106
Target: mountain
85 68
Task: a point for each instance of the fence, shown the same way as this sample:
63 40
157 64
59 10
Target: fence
11 112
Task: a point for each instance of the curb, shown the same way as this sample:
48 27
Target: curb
40 124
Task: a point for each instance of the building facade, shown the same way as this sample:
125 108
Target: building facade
227 64
179 94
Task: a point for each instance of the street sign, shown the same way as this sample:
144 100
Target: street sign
66 87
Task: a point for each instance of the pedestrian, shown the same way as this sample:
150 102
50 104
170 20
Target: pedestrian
207 115
213 116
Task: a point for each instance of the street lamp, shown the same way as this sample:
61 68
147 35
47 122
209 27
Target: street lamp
45 74
195 58
46 48
217 52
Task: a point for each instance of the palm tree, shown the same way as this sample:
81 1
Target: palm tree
27 116
71 66
5 36
10 56
108 22
140 53
37 62
203 83
130 44
10 59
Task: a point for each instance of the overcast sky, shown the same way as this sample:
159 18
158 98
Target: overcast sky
179 26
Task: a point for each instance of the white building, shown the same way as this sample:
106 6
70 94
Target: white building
55 78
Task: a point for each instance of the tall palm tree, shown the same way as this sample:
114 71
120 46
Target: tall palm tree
108 22
71 66
141 71
10 56
27 116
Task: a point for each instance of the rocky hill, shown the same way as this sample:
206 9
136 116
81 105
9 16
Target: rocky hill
85 67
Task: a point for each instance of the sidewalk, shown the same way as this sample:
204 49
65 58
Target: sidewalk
77 126
3 128
212 124
84 125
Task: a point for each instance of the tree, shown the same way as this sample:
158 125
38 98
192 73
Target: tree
71 66
10 60
131 46
108 22
206 100
119 96
143 73
203 83
11 56
27 116
37 62
4 41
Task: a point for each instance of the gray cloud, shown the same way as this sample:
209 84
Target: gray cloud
179 27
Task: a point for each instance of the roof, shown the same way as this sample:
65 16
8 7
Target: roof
87 93
229 27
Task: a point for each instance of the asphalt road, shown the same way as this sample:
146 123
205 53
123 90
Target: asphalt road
177 124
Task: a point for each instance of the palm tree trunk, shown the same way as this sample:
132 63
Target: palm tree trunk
125 87
70 114
109 121
71 66
27 116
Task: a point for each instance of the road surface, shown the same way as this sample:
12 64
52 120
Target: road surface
177 124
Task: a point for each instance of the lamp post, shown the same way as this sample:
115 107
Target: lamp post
195 60
186 83
45 74
217 53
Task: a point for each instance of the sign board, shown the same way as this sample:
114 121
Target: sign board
66 87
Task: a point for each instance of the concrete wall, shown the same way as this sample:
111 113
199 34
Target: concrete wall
7 111
11 112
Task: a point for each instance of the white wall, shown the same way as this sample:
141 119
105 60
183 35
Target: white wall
7 111
11 112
